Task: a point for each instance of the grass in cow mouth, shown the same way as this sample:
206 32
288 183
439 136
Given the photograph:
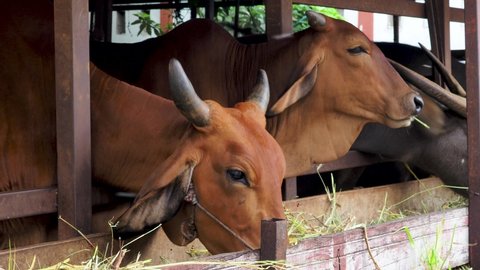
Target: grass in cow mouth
425 125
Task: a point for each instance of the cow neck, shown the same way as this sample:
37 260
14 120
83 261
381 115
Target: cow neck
281 62
243 61
130 137
308 138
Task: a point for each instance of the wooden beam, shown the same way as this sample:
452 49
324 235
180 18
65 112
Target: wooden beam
472 42
28 203
394 7
72 82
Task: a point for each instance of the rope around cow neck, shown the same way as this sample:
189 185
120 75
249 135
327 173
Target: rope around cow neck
192 198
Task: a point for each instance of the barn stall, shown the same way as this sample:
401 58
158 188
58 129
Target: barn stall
73 168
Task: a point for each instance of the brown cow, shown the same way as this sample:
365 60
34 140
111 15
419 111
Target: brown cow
327 81
138 138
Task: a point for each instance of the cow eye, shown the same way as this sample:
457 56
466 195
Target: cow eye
238 176
356 50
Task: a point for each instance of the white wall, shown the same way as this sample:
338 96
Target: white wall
412 30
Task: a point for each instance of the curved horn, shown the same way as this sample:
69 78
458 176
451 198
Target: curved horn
185 97
261 91
315 19
452 101
452 83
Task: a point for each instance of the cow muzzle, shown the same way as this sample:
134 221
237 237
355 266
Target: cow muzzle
409 107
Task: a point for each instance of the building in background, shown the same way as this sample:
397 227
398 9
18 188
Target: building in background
378 27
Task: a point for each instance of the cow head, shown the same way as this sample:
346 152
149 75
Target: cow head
227 159
339 63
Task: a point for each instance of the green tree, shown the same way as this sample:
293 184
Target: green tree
251 19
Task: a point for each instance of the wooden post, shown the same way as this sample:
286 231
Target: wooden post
290 188
472 11
278 17
72 84
274 243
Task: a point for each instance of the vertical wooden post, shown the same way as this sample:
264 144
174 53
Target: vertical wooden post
290 188
274 241
438 14
472 11
278 17
72 84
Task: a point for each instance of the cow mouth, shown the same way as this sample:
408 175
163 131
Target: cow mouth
398 122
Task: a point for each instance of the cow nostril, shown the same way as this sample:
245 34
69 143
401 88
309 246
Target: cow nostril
418 101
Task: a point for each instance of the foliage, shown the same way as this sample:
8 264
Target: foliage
147 24
251 19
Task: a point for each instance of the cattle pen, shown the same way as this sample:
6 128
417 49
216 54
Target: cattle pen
381 246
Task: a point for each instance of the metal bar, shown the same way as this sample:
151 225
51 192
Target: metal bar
209 9
394 7
274 240
72 84
396 28
278 17
108 20
28 203
472 42
236 19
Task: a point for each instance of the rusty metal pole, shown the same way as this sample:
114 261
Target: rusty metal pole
472 11
72 82
274 240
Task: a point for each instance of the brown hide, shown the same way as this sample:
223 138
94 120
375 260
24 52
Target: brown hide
27 114
328 80
137 137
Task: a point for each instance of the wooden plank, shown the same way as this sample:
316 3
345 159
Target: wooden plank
472 43
394 7
72 82
389 244
28 203
47 254
350 160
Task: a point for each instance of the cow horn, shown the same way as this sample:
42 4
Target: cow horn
185 97
316 19
261 91
450 80
452 101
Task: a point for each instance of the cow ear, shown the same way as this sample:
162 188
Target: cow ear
158 201
298 90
